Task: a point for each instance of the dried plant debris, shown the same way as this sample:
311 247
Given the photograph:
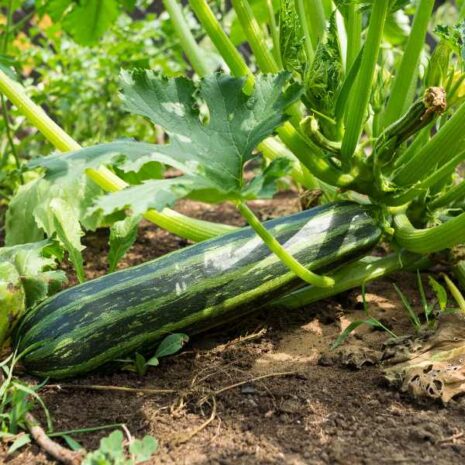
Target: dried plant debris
431 365
352 356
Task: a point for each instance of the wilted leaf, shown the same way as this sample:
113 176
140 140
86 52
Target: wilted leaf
431 366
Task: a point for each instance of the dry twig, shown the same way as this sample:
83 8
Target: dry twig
51 447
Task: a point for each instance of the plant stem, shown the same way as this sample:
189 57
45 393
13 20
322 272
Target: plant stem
189 45
315 20
255 37
447 143
360 98
426 241
422 186
274 32
275 247
6 117
302 12
9 136
312 157
351 276
455 193
354 33
215 32
189 228
405 81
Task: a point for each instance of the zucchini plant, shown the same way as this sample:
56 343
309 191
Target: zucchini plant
331 96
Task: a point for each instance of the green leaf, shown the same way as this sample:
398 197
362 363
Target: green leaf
56 8
139 364
36 264
324 78
69 233
373 322
143 450
440 292
291 38
264 186
128 156
171 344
235 122
221 143
21 441
7 65
408 308
213 128
113 444
153 362
90 19
151 194
454 36
72 444
12 298
29 215
122 236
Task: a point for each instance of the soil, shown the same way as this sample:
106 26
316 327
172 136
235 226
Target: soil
267 390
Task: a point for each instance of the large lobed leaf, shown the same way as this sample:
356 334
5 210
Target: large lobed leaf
213 128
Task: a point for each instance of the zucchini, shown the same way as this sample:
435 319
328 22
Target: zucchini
188 291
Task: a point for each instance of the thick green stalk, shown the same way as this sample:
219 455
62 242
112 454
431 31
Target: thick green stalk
189 228
450 197
422 186
353 23
358 103
448 142
189 45
420 140
255 37
213 28
313 158
275 247
315 20
274 32
405 81
306 27
350 276
426 241
418 116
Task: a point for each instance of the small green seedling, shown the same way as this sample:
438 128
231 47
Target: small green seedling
113 451
169 346
430 310
370 321
16 401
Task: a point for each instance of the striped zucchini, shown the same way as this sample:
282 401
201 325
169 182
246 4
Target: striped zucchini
189 290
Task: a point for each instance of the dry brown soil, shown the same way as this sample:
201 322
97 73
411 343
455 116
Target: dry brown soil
315 414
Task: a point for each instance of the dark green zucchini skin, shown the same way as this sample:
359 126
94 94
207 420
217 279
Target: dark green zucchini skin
188 291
